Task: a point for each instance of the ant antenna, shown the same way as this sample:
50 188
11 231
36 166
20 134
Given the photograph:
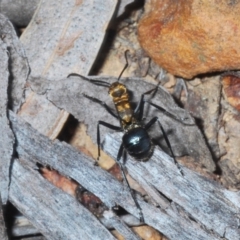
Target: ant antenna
126 65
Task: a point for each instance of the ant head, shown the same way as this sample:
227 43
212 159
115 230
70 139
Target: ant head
117 90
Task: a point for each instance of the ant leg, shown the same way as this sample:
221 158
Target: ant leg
168 113
120 153
138 111
149 124
109 110
105 124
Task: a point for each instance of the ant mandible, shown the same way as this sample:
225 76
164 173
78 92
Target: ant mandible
136 140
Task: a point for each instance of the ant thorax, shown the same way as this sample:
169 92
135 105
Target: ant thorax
126 115
120 97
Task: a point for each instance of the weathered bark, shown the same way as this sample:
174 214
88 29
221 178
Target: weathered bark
63 37
6 138
17 64
56 214
19 12
3 234
193 196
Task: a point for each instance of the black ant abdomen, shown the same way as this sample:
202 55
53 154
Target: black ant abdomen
138 143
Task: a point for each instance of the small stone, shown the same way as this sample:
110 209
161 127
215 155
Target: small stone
191 37
231 89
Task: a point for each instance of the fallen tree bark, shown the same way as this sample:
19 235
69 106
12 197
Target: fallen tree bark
217 208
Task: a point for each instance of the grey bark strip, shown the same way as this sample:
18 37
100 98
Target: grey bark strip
3 234
32 146
56 214
23 227
19 12
18 65
73 31
6 139
62 37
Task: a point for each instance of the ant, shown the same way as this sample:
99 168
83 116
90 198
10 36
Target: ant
136 140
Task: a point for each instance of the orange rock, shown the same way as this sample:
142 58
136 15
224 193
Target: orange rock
191 37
